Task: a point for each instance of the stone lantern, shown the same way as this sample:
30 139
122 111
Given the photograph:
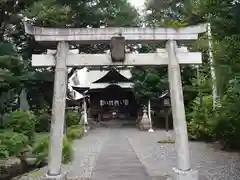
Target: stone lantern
145 123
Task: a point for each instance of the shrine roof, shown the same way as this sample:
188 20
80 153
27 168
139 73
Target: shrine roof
87 78
114 76
81 88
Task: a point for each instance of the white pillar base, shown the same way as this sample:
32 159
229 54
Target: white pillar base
150 130
62 176
185 175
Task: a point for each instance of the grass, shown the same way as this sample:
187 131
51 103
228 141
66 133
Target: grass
169 141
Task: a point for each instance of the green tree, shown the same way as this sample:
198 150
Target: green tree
174 14
90 13
10 76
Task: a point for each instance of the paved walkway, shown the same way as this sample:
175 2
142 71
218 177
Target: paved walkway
116 154
118 161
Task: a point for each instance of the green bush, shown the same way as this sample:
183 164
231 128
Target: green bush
41 149
75 132
228 118
43 122
12 144
223 124
21 122
72 118
67 151
201 122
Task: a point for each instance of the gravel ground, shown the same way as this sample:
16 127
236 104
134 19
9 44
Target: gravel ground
158 159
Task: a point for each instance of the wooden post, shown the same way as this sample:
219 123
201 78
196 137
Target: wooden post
58 114
166 121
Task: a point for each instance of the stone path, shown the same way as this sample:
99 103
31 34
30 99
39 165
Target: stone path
118 161
103 153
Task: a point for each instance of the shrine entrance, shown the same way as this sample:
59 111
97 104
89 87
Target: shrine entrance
113 102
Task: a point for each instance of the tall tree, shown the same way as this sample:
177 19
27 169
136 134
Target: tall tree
10 76
62 13
172 14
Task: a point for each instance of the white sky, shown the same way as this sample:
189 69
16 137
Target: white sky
137 3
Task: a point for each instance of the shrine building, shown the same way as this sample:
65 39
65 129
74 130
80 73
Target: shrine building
109 93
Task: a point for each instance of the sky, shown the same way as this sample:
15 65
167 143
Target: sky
137 3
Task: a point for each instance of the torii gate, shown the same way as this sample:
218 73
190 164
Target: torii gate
171 56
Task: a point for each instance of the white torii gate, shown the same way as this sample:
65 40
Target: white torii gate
171 56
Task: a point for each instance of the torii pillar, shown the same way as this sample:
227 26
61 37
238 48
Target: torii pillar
183 170
58 113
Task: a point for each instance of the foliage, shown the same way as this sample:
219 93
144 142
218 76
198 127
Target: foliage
148 83
152 82
41 150
12 143
67 151
75 132
21 122
201 123
10 76
43 121
72 118
204 123
225 29
228 127
49 12
54 13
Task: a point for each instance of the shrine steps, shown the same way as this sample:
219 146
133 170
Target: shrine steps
118 123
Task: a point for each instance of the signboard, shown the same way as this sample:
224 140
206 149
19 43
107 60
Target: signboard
124 102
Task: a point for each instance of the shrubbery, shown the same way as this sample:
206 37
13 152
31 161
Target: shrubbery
21 122
25 132
201 122
72 118
221 125
12 144
43 121
228 118
41 149
67 151
75 132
